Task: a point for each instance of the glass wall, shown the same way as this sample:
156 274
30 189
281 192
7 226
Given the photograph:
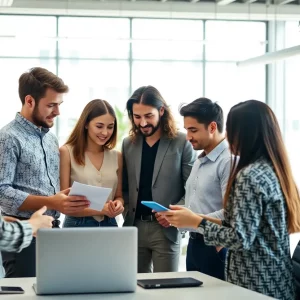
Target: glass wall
93 59
22 46
228 42
109 58
291 101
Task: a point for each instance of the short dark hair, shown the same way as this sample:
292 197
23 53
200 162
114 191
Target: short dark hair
36 81
204 111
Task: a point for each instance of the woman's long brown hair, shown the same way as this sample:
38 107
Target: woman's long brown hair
78 137
253 132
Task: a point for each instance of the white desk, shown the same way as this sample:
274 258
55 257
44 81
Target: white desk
212 289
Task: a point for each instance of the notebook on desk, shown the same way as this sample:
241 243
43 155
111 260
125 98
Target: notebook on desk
86 260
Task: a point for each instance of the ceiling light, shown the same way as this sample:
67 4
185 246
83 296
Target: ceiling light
6 2
271 57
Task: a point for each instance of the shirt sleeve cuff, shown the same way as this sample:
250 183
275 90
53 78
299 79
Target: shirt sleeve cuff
20 197
27 234
217 214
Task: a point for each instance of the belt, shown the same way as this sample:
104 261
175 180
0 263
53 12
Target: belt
196 236
146 218
55 222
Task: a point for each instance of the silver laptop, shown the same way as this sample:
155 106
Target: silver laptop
86 260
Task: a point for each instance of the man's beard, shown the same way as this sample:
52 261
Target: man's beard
154 129
37 119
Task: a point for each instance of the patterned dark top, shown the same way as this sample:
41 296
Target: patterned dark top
29 165
256 234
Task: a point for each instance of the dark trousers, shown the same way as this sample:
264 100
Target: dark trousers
205 259
20 264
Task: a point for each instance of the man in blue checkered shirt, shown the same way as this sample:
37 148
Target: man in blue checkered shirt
29 163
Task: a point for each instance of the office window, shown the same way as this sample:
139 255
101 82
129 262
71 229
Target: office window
234 40
11 70
292 34
89 80
229 84
27 36
167 39
292 117
292 95
178 82
93 37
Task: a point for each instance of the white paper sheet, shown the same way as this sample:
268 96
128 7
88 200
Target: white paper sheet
96 195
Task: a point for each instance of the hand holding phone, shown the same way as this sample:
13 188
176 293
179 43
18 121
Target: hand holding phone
154 206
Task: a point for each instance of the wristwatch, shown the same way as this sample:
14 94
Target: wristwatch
203 222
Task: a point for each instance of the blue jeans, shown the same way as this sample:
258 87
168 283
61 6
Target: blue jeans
205 259
89 222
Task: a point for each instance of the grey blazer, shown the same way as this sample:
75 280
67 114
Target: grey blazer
173 164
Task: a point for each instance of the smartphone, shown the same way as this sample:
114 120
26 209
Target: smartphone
169 283
11 290
154 205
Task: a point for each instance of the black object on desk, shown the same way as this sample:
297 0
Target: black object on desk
169 283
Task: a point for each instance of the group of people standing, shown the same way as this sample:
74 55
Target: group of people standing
241 201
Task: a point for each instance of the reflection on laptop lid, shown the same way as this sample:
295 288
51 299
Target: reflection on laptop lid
86 260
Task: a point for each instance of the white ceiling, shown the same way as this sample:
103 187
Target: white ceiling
192 9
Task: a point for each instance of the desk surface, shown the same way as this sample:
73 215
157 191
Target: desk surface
212 289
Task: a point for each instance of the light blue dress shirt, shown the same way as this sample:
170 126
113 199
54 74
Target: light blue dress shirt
206 185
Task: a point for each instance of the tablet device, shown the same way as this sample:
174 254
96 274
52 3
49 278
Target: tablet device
154 205
169 283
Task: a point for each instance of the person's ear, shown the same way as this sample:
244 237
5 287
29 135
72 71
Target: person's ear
161 111
213 127
29 101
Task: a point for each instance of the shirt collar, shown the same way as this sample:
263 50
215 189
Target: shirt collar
216 152
30 126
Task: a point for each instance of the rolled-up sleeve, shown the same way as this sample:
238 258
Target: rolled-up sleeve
10 198
219 214
14 236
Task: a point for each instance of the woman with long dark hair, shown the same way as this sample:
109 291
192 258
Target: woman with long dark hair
262 205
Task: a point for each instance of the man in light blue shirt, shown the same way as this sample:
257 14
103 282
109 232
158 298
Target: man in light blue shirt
206 185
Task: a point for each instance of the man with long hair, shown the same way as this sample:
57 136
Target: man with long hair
29 163
157 162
